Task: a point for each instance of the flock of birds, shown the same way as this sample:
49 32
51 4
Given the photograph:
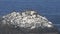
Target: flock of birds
27 19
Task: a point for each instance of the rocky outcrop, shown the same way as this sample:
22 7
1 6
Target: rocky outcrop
28 22
27 19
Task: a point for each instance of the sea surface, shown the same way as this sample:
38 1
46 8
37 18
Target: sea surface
48 8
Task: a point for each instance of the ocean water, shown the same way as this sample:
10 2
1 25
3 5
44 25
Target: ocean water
48 8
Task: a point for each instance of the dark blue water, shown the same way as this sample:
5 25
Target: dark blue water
48 8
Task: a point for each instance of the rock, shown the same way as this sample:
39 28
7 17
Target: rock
28 22
26 19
